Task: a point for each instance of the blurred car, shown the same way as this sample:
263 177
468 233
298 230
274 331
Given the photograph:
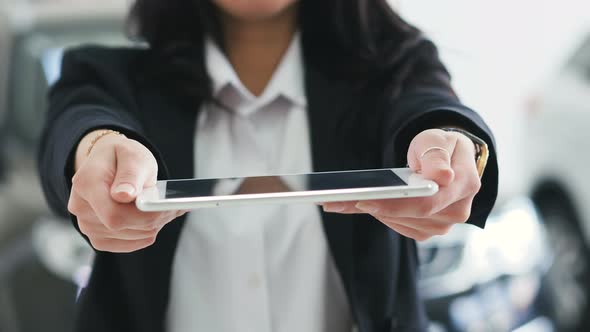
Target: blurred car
492 279
557 157
38 259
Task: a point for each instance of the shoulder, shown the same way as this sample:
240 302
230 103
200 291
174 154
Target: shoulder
100 60
113 69
98 75
94 54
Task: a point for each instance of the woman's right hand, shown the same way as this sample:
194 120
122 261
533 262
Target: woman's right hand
104 188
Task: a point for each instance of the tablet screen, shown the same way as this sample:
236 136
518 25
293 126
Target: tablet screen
285 183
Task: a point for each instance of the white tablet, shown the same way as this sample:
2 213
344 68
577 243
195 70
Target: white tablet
294 188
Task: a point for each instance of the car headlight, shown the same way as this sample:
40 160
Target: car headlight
61 249
513 243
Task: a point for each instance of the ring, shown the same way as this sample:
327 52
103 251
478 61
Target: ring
433 149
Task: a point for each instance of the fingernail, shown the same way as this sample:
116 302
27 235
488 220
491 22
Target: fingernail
125 188
367 207
333 207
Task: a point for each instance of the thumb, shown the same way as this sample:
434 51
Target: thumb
134 171
430 154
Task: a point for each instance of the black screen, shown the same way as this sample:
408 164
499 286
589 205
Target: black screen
285 183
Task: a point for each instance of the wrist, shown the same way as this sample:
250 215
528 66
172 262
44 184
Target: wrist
91 140
481 148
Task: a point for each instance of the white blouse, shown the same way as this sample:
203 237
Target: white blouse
255 268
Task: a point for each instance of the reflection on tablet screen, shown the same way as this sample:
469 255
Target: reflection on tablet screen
278 184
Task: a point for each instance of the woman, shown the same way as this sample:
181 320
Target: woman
230 88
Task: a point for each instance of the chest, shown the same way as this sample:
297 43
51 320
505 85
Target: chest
335 136
271 140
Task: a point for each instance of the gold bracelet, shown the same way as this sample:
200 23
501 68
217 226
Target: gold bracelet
99 136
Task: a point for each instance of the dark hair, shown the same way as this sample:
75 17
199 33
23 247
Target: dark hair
364 40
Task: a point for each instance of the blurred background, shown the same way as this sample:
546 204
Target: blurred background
524 65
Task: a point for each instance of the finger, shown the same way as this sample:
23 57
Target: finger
157 220
341 207
90 226
180 213
463 162
409 232
455 200
430 154
94 229
136 169
464 155
118 216
418 207
121 246
458 212
78 206
131 234
430 227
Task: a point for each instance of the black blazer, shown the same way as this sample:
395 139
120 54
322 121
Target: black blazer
350 129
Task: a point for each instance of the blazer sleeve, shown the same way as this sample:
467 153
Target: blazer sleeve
427 102
89 95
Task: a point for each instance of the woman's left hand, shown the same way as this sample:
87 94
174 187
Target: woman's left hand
447 158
